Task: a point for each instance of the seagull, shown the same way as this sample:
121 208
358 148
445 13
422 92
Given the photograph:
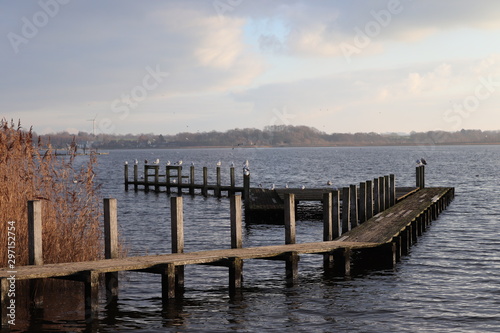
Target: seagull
136 161
219 163
245 164
273 187
424 162
126 162
168 162
303 187
286 185
329 183
157 161
192 164
232 164
179 163
145 161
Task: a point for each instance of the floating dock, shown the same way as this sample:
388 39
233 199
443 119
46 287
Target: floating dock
381 238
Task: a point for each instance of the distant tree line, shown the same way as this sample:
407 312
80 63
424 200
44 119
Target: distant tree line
270 136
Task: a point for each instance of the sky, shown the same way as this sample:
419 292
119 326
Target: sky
164 67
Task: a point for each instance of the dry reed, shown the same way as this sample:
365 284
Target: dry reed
71 230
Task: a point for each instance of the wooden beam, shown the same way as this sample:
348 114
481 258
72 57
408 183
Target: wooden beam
346 207
236 221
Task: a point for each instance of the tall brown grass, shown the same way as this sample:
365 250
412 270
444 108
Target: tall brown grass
71 230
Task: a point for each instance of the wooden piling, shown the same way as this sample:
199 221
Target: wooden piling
179 180
177 227
354 206
381 195
35 245
376 196
136 176
235 275
157 178
392 190
232 180
327 217
292 268
204 190
289 218
146 178
346 207
191 180
125 171
91 282
218 182
246 185
342 262
111 244
387 192
362 202
236 221
336 221
369 199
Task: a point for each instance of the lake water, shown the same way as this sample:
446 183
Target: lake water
450 281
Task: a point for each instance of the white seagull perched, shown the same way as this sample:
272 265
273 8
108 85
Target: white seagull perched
303 187
157 161
273 187
136 161
329 183
126 162
168 162
232 164
179 163
219 163
192 164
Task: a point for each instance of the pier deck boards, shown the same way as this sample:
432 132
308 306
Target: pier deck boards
383 227
177 259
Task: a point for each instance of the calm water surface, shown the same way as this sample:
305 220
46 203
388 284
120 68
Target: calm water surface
450 282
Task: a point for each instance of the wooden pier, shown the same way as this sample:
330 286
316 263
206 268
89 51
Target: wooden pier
381 238
173 178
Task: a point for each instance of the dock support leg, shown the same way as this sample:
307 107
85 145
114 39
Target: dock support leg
235 275
289 218
91 296
405 242
346 207
292 269
342 262
337 222
168 283
354 206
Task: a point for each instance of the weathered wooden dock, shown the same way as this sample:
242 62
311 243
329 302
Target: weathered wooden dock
381 239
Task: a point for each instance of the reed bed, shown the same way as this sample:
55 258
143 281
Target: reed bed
71 214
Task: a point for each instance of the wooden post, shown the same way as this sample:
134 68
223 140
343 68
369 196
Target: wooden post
376 196
289 218
369 199
422 177
91 282
236 221
35 248
204 190
191 180
354 206
346 207
146 178
111 245
392 190
157 178
168 283
342 262
292 269
110 229
327 217
387 194
381 196
362 202
35 245
337 222
218 182
125 174
232 180
136 176
235 275
246 185
327 225
179 180
167 178
177 226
